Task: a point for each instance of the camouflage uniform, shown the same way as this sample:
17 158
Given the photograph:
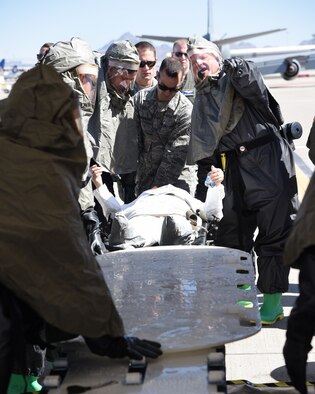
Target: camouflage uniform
137 87
163 133
188 88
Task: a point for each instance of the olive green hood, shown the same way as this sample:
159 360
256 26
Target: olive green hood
45 256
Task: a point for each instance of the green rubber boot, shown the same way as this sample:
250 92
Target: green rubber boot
271 310
21 384
243 303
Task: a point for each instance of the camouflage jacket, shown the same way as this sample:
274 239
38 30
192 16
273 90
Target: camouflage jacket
163 136
188 88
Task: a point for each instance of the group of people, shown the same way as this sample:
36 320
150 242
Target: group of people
78 111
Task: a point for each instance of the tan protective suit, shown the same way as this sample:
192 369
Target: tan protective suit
45 257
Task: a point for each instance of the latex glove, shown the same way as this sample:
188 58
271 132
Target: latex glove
120 347
216 175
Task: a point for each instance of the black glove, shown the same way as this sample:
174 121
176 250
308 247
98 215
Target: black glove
120 347
96 243
93 230
229 65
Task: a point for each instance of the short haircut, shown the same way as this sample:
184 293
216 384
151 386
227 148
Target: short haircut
179 42
146 45
172 67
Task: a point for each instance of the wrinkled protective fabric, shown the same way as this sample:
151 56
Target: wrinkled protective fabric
260 184
65 56
6 348
301 322
164 133
311 143
196 42
46 260
303 234
208 126
213 204
125 53
177 230
139 223
300 253
113 127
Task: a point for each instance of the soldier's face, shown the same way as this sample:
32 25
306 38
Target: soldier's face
88 82
204 65
168 86
146 73
121 79
180 53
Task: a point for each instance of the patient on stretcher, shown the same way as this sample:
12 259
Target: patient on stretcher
162 216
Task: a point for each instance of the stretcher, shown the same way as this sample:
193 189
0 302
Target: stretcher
191 299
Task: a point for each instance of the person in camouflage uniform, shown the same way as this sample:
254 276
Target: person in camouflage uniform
180 53
163 119
147 69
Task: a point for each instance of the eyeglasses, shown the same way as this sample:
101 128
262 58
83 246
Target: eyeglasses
180 54
149 63
164 88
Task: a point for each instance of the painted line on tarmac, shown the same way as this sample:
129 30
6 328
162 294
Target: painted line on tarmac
303 175
275 384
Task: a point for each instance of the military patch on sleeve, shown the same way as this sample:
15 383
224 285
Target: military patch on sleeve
189 92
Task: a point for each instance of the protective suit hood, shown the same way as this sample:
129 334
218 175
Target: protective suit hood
46 260
197 43
123 54
64 56
38 112
67 57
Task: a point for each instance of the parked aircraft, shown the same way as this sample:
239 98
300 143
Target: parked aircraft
288 60
12 72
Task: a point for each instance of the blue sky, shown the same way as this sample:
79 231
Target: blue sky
26 24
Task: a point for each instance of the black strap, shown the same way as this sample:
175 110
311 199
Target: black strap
246 146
